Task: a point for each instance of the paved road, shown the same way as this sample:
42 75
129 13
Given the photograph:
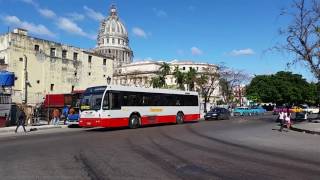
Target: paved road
242 148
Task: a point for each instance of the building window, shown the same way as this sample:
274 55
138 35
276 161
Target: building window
38 81
107 40
190 68
51 87
53 52
118 41
15 78
64 54
72 88
75 56
112 40
89 74
21 59
75 73
89 59
197 68
184 68
104 61
2 61
36 47
104 75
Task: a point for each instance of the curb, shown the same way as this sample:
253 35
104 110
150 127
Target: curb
304 130
32 128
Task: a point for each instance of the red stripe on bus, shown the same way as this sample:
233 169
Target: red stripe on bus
122 122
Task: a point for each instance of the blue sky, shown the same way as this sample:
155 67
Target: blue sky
235 32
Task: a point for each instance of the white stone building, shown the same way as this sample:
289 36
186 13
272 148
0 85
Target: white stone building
45 67
113 39
140 73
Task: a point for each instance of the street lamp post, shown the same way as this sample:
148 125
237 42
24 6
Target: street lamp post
108 80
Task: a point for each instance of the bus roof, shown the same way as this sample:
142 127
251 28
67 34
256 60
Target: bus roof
141 89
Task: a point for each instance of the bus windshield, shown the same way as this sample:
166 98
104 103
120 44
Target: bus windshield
91 101
92 98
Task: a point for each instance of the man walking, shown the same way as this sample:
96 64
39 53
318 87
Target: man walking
21 120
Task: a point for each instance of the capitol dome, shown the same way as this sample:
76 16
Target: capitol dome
113 39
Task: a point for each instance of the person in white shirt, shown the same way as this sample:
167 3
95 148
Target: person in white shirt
281 118
287 119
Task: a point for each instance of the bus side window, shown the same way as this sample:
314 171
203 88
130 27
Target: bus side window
105 105
115 100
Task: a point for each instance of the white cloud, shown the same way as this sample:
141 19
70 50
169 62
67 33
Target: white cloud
76 16
196 51
139 32
93 14
241 52
33 28
30 2
70 26
160 12
47 13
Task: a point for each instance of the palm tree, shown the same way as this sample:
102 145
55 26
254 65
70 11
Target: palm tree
160 81
180 77
191 78
156 82
164 69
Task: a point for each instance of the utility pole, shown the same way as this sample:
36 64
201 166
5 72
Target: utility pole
26 82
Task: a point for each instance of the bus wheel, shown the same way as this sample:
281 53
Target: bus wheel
179 118
133 121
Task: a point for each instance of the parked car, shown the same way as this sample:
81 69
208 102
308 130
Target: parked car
311 110
242 111
296 109
217 113
257 110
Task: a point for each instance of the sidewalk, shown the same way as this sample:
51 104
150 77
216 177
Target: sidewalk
307 127
41 126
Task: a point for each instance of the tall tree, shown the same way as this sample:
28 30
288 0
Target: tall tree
160 80
190 78
231 79
303 35
180 77
208 82
281 88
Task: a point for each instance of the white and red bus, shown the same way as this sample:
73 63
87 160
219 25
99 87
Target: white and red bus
120 106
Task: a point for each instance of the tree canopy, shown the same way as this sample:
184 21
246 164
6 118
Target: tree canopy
282 87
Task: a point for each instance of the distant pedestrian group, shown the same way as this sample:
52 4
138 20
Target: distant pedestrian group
284 118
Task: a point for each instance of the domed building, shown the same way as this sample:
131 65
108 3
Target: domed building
113 40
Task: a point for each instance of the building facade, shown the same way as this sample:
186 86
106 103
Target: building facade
45 67
113 39
141 73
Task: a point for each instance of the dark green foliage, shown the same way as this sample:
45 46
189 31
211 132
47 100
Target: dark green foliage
282 87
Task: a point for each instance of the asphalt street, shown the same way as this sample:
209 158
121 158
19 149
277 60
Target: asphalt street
240 148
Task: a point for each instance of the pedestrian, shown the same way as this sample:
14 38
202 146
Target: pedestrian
281 119
56 116
21 120
287 119
65 113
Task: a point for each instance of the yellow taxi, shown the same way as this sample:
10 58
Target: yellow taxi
296 109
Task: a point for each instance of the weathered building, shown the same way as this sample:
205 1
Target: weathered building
46 67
